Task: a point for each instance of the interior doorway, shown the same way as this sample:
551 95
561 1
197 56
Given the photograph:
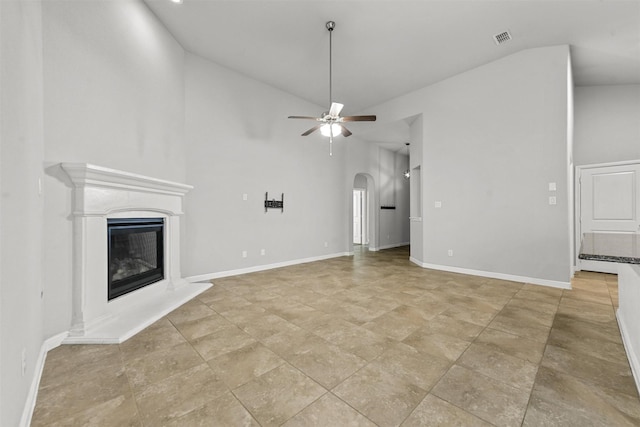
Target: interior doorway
607 201
363 218
360 234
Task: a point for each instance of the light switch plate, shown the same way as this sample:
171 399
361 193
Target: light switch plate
552 186
438 204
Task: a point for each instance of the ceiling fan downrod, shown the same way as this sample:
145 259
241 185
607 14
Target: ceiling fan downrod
330 26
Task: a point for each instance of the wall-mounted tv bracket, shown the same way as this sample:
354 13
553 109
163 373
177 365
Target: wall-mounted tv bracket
273 203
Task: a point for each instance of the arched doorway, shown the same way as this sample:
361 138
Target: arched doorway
364 219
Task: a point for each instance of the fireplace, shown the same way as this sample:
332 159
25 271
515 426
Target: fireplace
136 254
126 253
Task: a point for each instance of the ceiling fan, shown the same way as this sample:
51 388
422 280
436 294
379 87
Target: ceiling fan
330 122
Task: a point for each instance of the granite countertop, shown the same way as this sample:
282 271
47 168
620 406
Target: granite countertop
612 247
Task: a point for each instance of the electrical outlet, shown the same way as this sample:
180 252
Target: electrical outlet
24 361
450 252
552 200
263 251
244 254
245 196
326 244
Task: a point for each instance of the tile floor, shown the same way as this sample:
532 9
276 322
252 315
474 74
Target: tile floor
369 340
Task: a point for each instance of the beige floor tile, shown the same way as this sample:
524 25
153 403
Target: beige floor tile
120 411
437 344
453 327
535 305
278 395
173 397
583 344
470 315
242 315
616 376
355 339
244 364
83 393
379 395
222 341
412 366
604 406
161 334
72 363
484 397
225 410
472 342
513 345
226 303
435 412
289 344
329 411
264 326
500 366
192 310
588 330
522 328
526 315
542 413
326 363
161 364
582 295
394 325
194 329
540 295
587 311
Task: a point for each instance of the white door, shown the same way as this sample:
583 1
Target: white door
358 198
609 202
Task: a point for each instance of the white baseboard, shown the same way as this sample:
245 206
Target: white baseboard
30 404
393 245
494 275
228 273
634 359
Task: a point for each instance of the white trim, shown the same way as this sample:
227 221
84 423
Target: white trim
228 273
139 316
632 356
393 245
30 403
86 174
494 275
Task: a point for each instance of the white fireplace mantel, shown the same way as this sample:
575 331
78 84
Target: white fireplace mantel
100 193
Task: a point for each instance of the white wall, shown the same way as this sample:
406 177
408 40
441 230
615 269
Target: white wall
493 138
114 97
21 213
607 124
388 227
239 141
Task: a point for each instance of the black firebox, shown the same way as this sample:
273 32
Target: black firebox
136 253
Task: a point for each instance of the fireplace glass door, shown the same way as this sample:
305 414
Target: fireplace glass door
136 254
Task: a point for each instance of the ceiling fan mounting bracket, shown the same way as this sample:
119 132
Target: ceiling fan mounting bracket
330 25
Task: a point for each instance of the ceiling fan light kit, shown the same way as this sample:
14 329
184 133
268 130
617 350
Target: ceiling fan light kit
330 121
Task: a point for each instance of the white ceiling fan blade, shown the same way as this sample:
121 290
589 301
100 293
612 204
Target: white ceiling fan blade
335 109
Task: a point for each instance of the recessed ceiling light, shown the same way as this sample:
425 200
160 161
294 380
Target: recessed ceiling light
176 1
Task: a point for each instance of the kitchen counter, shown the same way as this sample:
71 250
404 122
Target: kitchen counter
611 247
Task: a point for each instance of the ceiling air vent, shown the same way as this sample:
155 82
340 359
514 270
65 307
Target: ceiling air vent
502 37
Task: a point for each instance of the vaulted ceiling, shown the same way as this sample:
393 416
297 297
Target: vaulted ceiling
384 49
